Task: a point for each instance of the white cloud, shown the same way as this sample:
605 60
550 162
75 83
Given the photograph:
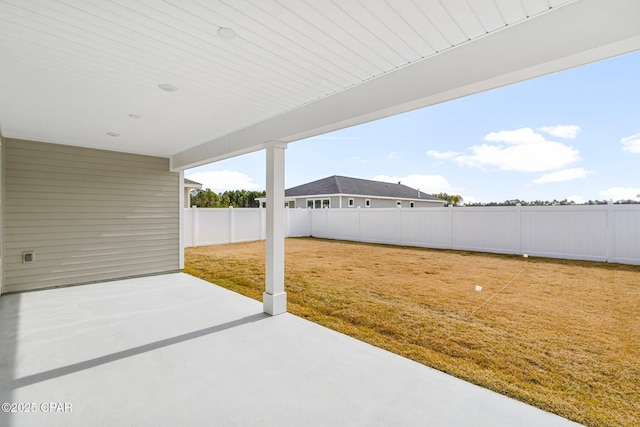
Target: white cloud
539 157
562 131
518 136
620 193
219 181
442 155
525 151
563 175
578 200
393 155
425 183
631 143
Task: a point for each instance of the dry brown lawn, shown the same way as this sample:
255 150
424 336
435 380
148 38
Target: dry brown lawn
562 335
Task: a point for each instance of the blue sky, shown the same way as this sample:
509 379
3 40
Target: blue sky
573 135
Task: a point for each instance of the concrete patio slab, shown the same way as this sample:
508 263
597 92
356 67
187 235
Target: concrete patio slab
174 350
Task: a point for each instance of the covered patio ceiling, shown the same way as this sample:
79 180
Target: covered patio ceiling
87 72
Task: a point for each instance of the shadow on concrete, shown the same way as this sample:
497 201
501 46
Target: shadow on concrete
9 326
16 383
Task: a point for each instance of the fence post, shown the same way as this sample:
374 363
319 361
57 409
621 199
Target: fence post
611 228
359 226
231 224
262 211
326 222
451 226
287 230
518 229
399 231
195 225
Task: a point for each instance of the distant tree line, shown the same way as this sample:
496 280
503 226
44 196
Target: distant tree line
247 199
553 202
236 198
454 199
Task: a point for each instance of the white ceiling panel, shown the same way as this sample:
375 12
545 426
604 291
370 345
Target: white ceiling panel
400 28
512 11
409 12
488 14
534 7
435 12
558 3
73 70
317 43
376 24
465 18
343 28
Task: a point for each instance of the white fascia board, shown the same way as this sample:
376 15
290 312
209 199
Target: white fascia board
576 34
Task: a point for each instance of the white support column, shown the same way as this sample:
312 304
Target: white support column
275 298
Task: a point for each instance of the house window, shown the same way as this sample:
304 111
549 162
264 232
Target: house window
398 203
351 203
318 203
412 205
367 203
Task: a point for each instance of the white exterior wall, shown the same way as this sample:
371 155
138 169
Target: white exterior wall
89 215
597 233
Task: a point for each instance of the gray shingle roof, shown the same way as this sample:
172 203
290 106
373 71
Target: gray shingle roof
355 186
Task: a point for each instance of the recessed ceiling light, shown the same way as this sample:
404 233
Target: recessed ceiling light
227 33
167 87
134 116
114 134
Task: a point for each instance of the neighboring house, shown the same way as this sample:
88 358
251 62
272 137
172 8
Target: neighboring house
346 192
188 186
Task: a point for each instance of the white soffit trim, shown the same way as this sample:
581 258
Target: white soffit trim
579 33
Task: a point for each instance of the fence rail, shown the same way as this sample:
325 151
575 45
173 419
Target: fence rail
598 233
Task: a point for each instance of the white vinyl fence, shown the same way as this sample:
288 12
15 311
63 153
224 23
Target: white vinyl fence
598 233
206 226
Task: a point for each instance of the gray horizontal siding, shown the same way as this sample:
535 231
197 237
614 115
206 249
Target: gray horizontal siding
89 215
